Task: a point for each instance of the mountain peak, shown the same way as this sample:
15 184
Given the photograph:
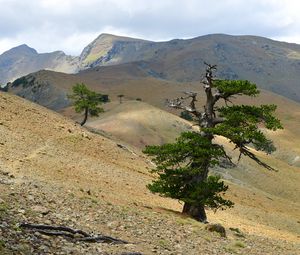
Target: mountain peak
22 60
113 37
103 35
103 47
99 47
22 49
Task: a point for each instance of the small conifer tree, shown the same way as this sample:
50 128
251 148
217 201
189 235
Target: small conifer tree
121 96
183 167
86 101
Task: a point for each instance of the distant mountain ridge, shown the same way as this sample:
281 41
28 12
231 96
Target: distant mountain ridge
273 65
22 60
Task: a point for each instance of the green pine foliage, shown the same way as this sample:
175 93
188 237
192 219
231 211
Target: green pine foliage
182 167
85 98
87 101
177 165
235 87
241 125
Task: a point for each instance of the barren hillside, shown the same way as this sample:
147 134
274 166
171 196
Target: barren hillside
55 172
140 124
51 88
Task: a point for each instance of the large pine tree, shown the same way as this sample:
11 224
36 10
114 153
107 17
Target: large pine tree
183 167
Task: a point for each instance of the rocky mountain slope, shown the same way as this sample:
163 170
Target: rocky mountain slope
110 50
22 60
55 172
271 64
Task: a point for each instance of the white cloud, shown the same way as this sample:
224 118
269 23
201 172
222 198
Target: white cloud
69 25
6 44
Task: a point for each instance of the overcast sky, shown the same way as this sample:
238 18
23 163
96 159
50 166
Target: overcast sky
69 25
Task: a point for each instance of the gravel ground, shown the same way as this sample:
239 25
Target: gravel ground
148 231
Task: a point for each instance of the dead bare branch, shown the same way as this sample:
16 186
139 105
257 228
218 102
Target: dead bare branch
178 103
74 234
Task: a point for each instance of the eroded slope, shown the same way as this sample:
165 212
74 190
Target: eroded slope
55 172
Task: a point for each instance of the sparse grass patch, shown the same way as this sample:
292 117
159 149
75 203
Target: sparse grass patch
91 201
239 244
189 221
197 230
125 211
2 244
25 249
72 195
17 228
94 200
230 249
31 213
3 209
237 232
235 246
207 238
164 243
2 248
181 221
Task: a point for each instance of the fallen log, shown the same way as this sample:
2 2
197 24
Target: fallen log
74 234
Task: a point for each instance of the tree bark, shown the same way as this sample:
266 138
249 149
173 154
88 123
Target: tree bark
207 119
86 112
196 212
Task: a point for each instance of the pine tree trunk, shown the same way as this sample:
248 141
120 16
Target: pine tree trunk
86 112
196 212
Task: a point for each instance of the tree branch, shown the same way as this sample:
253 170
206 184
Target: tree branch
246 152
178 103
75 234
218 120
219 95
226 157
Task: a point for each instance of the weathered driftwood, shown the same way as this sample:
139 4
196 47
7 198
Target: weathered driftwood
74 234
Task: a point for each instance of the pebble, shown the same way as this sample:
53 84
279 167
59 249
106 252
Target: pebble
4 224
40 209
30 197
22 211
